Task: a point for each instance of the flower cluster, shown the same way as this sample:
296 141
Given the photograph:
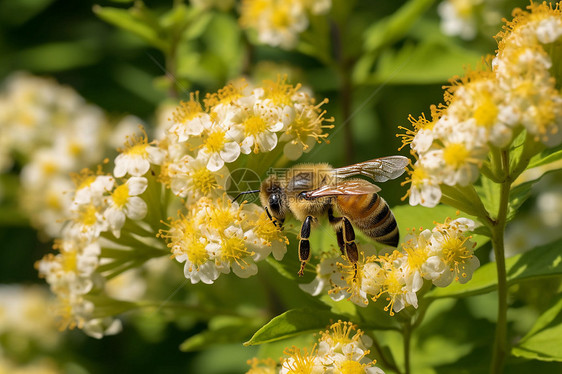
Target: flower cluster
50 131
485 109
25 317
204 143
279 23
442 255
341 349
99 209
218 235
114 223
465 18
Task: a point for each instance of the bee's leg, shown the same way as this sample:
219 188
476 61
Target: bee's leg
350 246
349 238
336 223
276 222
304 244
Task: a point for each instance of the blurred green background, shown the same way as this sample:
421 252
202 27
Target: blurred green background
123 74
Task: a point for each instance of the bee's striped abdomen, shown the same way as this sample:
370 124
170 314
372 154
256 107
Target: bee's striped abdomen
370 214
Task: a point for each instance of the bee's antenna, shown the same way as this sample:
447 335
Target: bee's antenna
244 193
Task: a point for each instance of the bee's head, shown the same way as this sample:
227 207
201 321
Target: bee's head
273 198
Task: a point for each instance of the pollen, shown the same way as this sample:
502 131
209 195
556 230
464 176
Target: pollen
234 250
69 261
83 179
416 256
352 367
266 230
487 112
88 215
222 218
455 155
136 145
254 125
215 141
309 123
281 18
280 92
196 252
302 362
227 94
417 124
204 180
340 333
188 110
121 195
455 250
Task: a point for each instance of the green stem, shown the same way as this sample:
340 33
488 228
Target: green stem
498 228
387 363
407 335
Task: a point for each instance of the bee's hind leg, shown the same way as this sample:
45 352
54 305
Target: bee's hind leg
336 223
346 238
304 243
349 239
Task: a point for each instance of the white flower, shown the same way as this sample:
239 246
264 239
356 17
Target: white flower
458 161
256 123
190 177
424 188
321 283
99 327
193 126
136 159
457 18
124 202
549 30
91 189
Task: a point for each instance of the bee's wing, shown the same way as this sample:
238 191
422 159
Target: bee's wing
351 187
379 169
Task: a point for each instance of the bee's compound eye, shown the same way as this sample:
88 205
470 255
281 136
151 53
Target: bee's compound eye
274 202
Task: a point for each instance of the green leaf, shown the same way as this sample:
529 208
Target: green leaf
546 157
430 61
222 330
58 56
136 20
541 262
544 340
293 322
489 193
394 27
21 11
409 217
521 192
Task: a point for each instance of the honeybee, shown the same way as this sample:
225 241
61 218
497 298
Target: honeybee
312 190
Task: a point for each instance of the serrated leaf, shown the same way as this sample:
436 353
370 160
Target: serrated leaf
134 21
291 323
544 341
543 261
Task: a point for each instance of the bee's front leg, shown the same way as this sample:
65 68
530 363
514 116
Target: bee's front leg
276 222
304 243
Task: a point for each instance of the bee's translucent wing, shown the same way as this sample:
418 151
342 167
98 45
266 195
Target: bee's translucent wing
350 187
379 169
